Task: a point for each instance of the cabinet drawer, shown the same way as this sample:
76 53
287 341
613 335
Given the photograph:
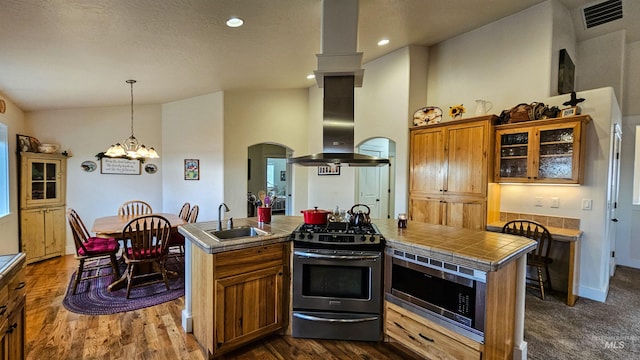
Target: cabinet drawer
424 339
247 260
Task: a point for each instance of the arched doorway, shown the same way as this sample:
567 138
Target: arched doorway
269 172
375 186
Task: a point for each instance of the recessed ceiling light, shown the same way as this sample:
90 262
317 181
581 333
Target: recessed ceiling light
234 22
311 76
383 42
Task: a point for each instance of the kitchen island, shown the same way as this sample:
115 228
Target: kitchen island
212 266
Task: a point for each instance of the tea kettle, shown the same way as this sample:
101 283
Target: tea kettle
359 218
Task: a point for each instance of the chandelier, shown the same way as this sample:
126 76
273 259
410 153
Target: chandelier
130 147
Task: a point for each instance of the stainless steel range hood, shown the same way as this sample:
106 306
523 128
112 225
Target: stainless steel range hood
339 71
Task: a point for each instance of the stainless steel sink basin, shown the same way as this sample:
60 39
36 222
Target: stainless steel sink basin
239 232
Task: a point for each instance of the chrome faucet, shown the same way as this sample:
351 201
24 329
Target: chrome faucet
226 209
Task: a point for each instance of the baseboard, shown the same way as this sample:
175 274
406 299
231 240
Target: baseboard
632 263
593 293
187 321
520 353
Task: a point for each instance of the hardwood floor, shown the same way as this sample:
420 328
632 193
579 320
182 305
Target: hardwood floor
152 333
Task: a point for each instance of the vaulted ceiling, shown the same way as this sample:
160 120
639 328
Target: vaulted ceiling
78 53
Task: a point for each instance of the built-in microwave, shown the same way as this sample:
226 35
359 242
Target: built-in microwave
451 295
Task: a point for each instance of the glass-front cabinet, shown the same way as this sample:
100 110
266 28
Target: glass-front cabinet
42 180
542 151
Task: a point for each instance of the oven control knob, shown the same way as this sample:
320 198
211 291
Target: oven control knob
363 238
372 239
310 236
301 236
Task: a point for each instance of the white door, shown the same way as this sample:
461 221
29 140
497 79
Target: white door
373 183
612 196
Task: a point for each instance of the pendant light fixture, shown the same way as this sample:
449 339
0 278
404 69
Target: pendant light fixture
130 147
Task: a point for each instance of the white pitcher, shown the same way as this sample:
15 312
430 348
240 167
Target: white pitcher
483 106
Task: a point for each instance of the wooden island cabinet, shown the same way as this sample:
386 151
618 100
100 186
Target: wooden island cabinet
12 312
240 295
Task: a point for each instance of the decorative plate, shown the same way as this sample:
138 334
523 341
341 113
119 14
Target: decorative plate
427 115
88 166
151 168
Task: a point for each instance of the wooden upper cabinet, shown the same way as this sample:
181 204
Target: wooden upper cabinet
42 180
451 158
542 151
449 172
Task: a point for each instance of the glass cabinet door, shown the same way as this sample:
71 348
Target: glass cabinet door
514 150
44 181
556 156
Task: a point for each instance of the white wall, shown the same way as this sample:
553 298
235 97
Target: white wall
13 118
84 133
601 64
193 129
252 117
505 62
563 37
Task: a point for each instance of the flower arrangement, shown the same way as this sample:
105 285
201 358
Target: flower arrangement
456 111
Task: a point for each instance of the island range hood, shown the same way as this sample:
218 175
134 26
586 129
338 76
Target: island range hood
339 72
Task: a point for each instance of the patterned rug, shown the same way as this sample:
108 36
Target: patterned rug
93 298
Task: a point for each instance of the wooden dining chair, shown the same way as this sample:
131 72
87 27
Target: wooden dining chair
539 257
135 207
193 214
177 240
184 211
91 252
147 243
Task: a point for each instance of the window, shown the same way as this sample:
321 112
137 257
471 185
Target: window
4 171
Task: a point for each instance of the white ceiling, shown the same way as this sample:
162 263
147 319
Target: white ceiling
78 53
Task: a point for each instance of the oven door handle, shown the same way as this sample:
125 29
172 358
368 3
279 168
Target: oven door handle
315 318
336 257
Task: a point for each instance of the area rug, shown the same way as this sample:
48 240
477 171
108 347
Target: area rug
93 298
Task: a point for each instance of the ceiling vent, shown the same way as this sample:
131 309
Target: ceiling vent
602 13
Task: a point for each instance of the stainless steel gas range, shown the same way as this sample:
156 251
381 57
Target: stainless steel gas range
337 281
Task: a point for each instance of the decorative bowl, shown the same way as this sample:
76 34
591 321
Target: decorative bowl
48 148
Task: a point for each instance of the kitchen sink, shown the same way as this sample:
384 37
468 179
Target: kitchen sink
239 232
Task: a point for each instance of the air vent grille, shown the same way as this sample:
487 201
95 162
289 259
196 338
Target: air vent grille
602 13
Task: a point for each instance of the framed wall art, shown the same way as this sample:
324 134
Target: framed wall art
572 111
120 166
328 170
191 169
566 73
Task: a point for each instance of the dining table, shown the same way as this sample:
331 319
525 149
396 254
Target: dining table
111 227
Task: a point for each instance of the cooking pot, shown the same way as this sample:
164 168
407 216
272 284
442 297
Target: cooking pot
315 216
359 218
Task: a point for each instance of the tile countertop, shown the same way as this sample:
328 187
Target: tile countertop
9 265
481 250
559 234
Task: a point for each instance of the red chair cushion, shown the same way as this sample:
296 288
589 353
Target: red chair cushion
145 253
98 246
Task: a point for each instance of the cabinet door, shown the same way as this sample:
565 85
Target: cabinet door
558 153
42 182
466 154
14 338
427 162
513 151
32 233
426 210
55 229
249 306
465 213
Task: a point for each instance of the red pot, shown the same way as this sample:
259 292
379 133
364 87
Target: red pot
315 216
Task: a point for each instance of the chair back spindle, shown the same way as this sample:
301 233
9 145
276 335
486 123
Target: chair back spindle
135 207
